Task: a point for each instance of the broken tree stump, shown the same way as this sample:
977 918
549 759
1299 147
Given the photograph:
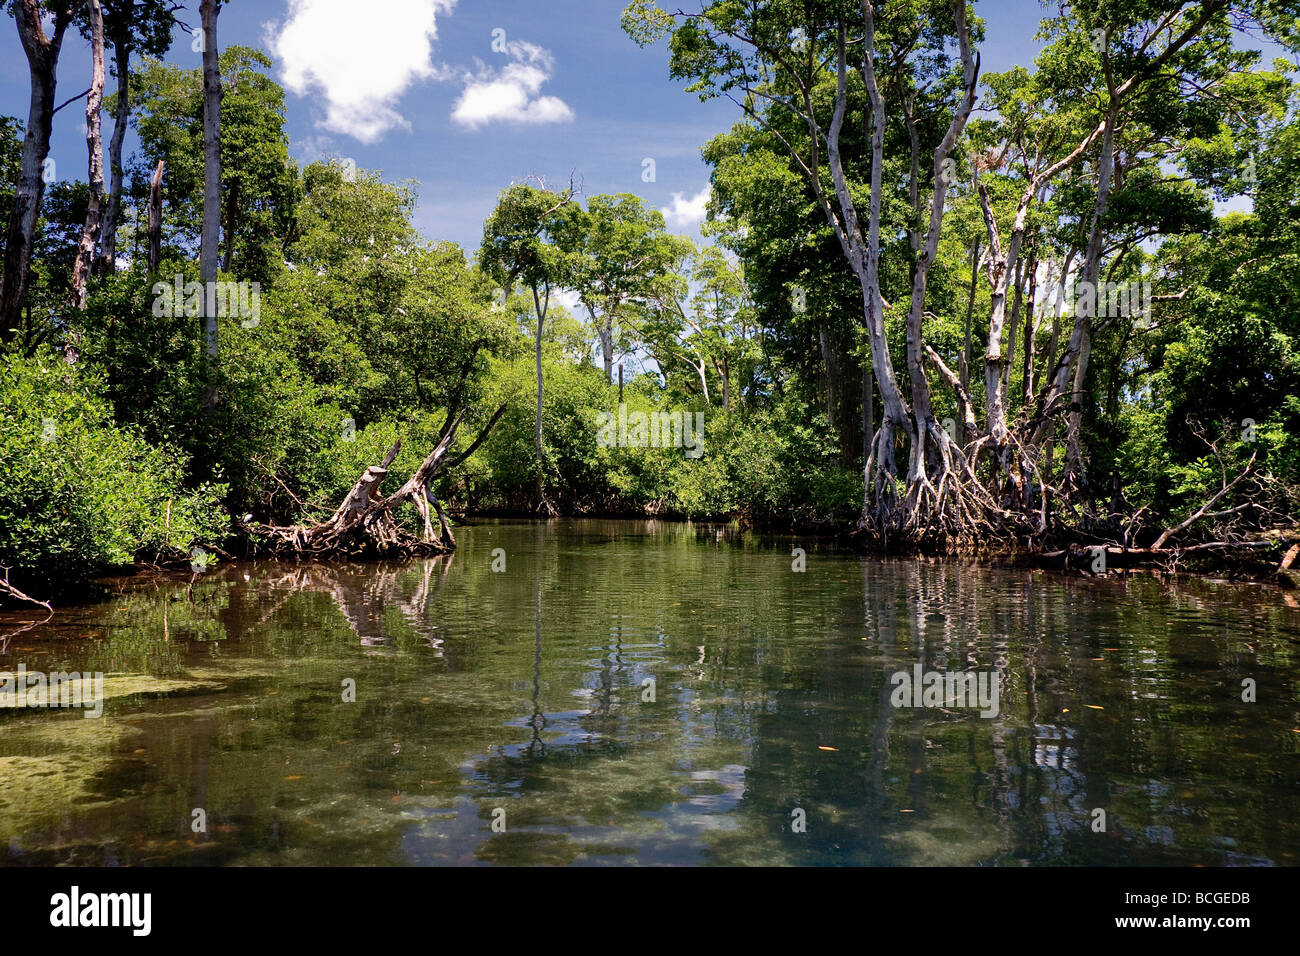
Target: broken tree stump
366 522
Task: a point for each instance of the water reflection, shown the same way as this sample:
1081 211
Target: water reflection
655 693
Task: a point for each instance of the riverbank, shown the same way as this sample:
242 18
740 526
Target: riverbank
1071 555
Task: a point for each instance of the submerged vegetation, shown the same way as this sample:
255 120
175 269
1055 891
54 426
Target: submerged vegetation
941 308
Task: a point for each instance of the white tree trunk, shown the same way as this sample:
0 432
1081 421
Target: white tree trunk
95 163
211 173
121 116
42 52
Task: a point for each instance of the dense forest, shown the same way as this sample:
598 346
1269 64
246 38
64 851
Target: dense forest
936 308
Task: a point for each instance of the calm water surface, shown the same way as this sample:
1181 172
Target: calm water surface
631 692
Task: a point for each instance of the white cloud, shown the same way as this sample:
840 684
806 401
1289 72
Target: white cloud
510 94
683 213
361 60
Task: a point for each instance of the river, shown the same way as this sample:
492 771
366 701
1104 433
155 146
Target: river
637 692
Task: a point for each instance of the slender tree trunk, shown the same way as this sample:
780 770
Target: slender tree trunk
1044 436
605 329
42 61
1030 336
930 439
208 10
701 369
155 219
1014 326
1052 345
542 306
913 181
121 116
541 322
1002 268
1073 358
1074 432
879 492
868 410
964 368
880 510
726 386
95 162
999 267
831 373
1091 272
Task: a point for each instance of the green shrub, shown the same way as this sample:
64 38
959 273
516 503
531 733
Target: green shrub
78 493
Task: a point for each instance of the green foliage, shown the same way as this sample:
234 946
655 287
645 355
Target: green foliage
367 330
763 465
518 238
771 468
79 493
269 417
258 180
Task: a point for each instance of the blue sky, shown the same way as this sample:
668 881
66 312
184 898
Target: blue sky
415 89
427 97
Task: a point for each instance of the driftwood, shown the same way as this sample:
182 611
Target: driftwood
1204 510
9 591
366 521
1245 556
